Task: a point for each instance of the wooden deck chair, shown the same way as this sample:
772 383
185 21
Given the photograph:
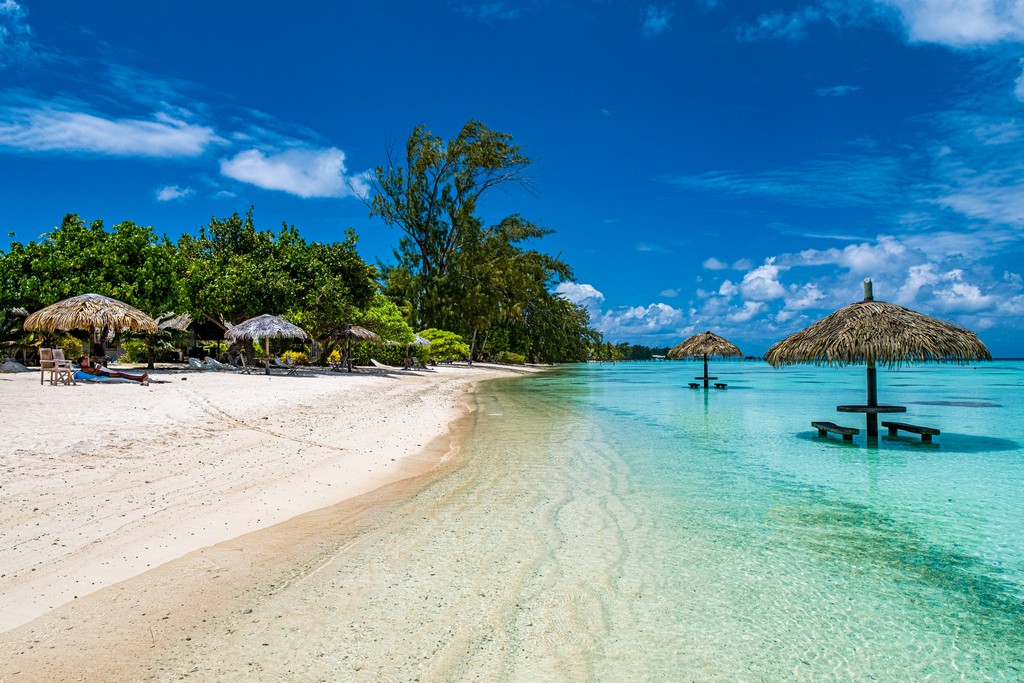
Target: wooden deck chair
284 366
60 369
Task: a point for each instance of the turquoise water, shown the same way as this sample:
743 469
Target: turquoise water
607 523
691 534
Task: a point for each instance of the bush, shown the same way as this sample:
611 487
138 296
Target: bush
134 351
294 357
71 346
445 345
510 357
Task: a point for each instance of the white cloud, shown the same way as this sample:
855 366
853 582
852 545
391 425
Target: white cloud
749 311
866 258
961 23
302 172
55 130
714 264
579 294
641 321
743 264
669 293
1019 87
15 33
788 25
728 289
172 192
762 283
800 298
656 20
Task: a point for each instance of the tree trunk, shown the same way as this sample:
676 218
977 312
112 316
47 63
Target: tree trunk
472 348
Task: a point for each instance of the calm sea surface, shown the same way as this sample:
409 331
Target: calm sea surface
642 530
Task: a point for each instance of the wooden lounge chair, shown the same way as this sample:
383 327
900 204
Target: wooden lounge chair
284 366
197 364
52 361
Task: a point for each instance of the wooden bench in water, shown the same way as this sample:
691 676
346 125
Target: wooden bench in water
720 385
825 427
926 432
694 385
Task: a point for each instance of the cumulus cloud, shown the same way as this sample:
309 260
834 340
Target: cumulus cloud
714 264
728 289
867 258
669 293
303 172
171 192
580 294
745 314
762 283
641 321
56 130
657 20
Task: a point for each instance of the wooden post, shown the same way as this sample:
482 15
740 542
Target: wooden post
705 371
872 400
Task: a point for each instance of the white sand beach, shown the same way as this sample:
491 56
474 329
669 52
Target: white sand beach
125 488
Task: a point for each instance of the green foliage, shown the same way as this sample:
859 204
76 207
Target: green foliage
233 271
129 263
135 350
445 345
73 347
455 272
294 357
510 357
384 317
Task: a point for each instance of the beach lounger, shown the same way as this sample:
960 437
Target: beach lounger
220 367
197 364
244 368
284 366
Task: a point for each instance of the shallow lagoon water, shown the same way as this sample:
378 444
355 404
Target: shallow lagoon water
713 534
607 523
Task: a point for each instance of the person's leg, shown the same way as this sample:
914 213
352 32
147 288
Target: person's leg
144 377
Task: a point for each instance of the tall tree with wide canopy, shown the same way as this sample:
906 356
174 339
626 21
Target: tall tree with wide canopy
431 196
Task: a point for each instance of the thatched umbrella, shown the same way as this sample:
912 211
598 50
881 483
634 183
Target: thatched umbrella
876 332
704 345
265 327
89 312
351 333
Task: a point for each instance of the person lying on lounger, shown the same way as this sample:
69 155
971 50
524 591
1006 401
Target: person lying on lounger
86 364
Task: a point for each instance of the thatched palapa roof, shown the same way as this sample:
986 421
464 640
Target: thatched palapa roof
705 344
169 321
881 333
88 312
265 327
355 333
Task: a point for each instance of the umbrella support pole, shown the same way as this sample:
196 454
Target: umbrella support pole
705 371
872 418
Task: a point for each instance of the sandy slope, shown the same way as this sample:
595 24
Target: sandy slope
102 483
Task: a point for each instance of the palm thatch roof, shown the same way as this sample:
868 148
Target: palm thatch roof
705 344
169 321
876 332
88 312
354 333
265 327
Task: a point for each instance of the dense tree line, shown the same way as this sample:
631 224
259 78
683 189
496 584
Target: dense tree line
451 272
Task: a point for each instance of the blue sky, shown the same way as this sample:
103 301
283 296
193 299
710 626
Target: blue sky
706 164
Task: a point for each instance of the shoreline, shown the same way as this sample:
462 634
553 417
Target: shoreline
102 513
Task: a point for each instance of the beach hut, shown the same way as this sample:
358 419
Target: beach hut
704 345
877 333
265 327
92 312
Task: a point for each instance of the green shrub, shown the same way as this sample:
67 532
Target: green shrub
134 351
445 345
71 346
510 357
294 357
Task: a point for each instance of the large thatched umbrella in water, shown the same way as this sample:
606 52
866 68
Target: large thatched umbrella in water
876 332
704 345
89 312
264 327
